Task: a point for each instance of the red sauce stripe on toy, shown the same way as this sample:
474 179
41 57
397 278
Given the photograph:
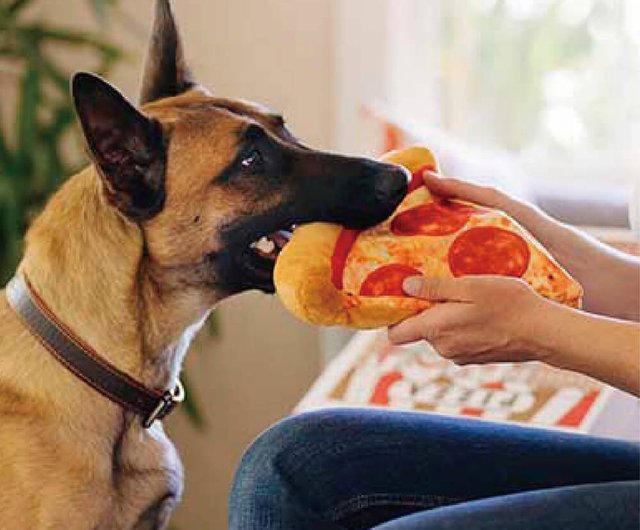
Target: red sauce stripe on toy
489 250
387 280
346 239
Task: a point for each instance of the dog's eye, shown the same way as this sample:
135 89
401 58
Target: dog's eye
253 161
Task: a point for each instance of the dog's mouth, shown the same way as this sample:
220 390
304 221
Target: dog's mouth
254 263
268 247
252 243
260 257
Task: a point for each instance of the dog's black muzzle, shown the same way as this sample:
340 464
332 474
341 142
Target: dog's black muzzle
354 192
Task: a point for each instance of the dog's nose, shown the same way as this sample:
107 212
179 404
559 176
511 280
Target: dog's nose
354 192
374 196
391 185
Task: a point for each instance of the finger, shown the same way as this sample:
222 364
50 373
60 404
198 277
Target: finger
459 189
444 346
454 344
410 330
428 325
451 348
497 355
481 358
436 289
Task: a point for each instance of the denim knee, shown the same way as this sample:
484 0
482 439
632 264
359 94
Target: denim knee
264 490
262 462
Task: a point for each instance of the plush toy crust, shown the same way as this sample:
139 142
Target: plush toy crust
303 273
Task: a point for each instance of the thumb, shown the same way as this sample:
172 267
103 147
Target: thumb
467 191
435 289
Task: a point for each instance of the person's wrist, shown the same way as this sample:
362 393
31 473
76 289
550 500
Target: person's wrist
539 334
526 214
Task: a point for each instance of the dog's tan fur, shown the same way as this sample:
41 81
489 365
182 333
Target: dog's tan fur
131 254
71 458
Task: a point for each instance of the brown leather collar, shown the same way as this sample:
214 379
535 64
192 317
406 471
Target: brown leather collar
83 361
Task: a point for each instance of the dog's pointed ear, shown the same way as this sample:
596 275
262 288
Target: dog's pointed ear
166 72
127 147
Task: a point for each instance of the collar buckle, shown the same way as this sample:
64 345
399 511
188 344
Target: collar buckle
166 404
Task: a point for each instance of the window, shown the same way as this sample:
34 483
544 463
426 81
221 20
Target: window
555 82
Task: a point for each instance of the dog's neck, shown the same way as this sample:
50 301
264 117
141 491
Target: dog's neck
86 262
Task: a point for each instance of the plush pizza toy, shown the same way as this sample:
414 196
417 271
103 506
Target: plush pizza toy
330 275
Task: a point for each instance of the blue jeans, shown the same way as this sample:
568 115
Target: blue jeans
349 469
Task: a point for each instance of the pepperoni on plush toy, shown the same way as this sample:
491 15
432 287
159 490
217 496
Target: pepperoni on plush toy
387 280
440 217
489 250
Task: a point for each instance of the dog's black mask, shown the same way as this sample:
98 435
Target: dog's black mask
313 186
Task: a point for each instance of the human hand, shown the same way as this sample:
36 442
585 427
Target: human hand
480 319
453 188
609 278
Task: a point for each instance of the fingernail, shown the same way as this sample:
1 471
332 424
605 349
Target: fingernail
412 285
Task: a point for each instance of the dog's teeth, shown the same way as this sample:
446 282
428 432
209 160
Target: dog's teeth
264 245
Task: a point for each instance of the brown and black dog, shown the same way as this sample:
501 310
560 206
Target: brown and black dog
131 254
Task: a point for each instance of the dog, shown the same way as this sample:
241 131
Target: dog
131 255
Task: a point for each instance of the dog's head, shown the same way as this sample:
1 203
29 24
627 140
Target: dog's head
216 184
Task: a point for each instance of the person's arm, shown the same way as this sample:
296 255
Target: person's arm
610 279
483 319
604 348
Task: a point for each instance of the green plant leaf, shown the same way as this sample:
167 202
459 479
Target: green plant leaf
57 76
190 404
213 324
74 37
10 221
5 157
27 126
15 6
101 10
5 154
